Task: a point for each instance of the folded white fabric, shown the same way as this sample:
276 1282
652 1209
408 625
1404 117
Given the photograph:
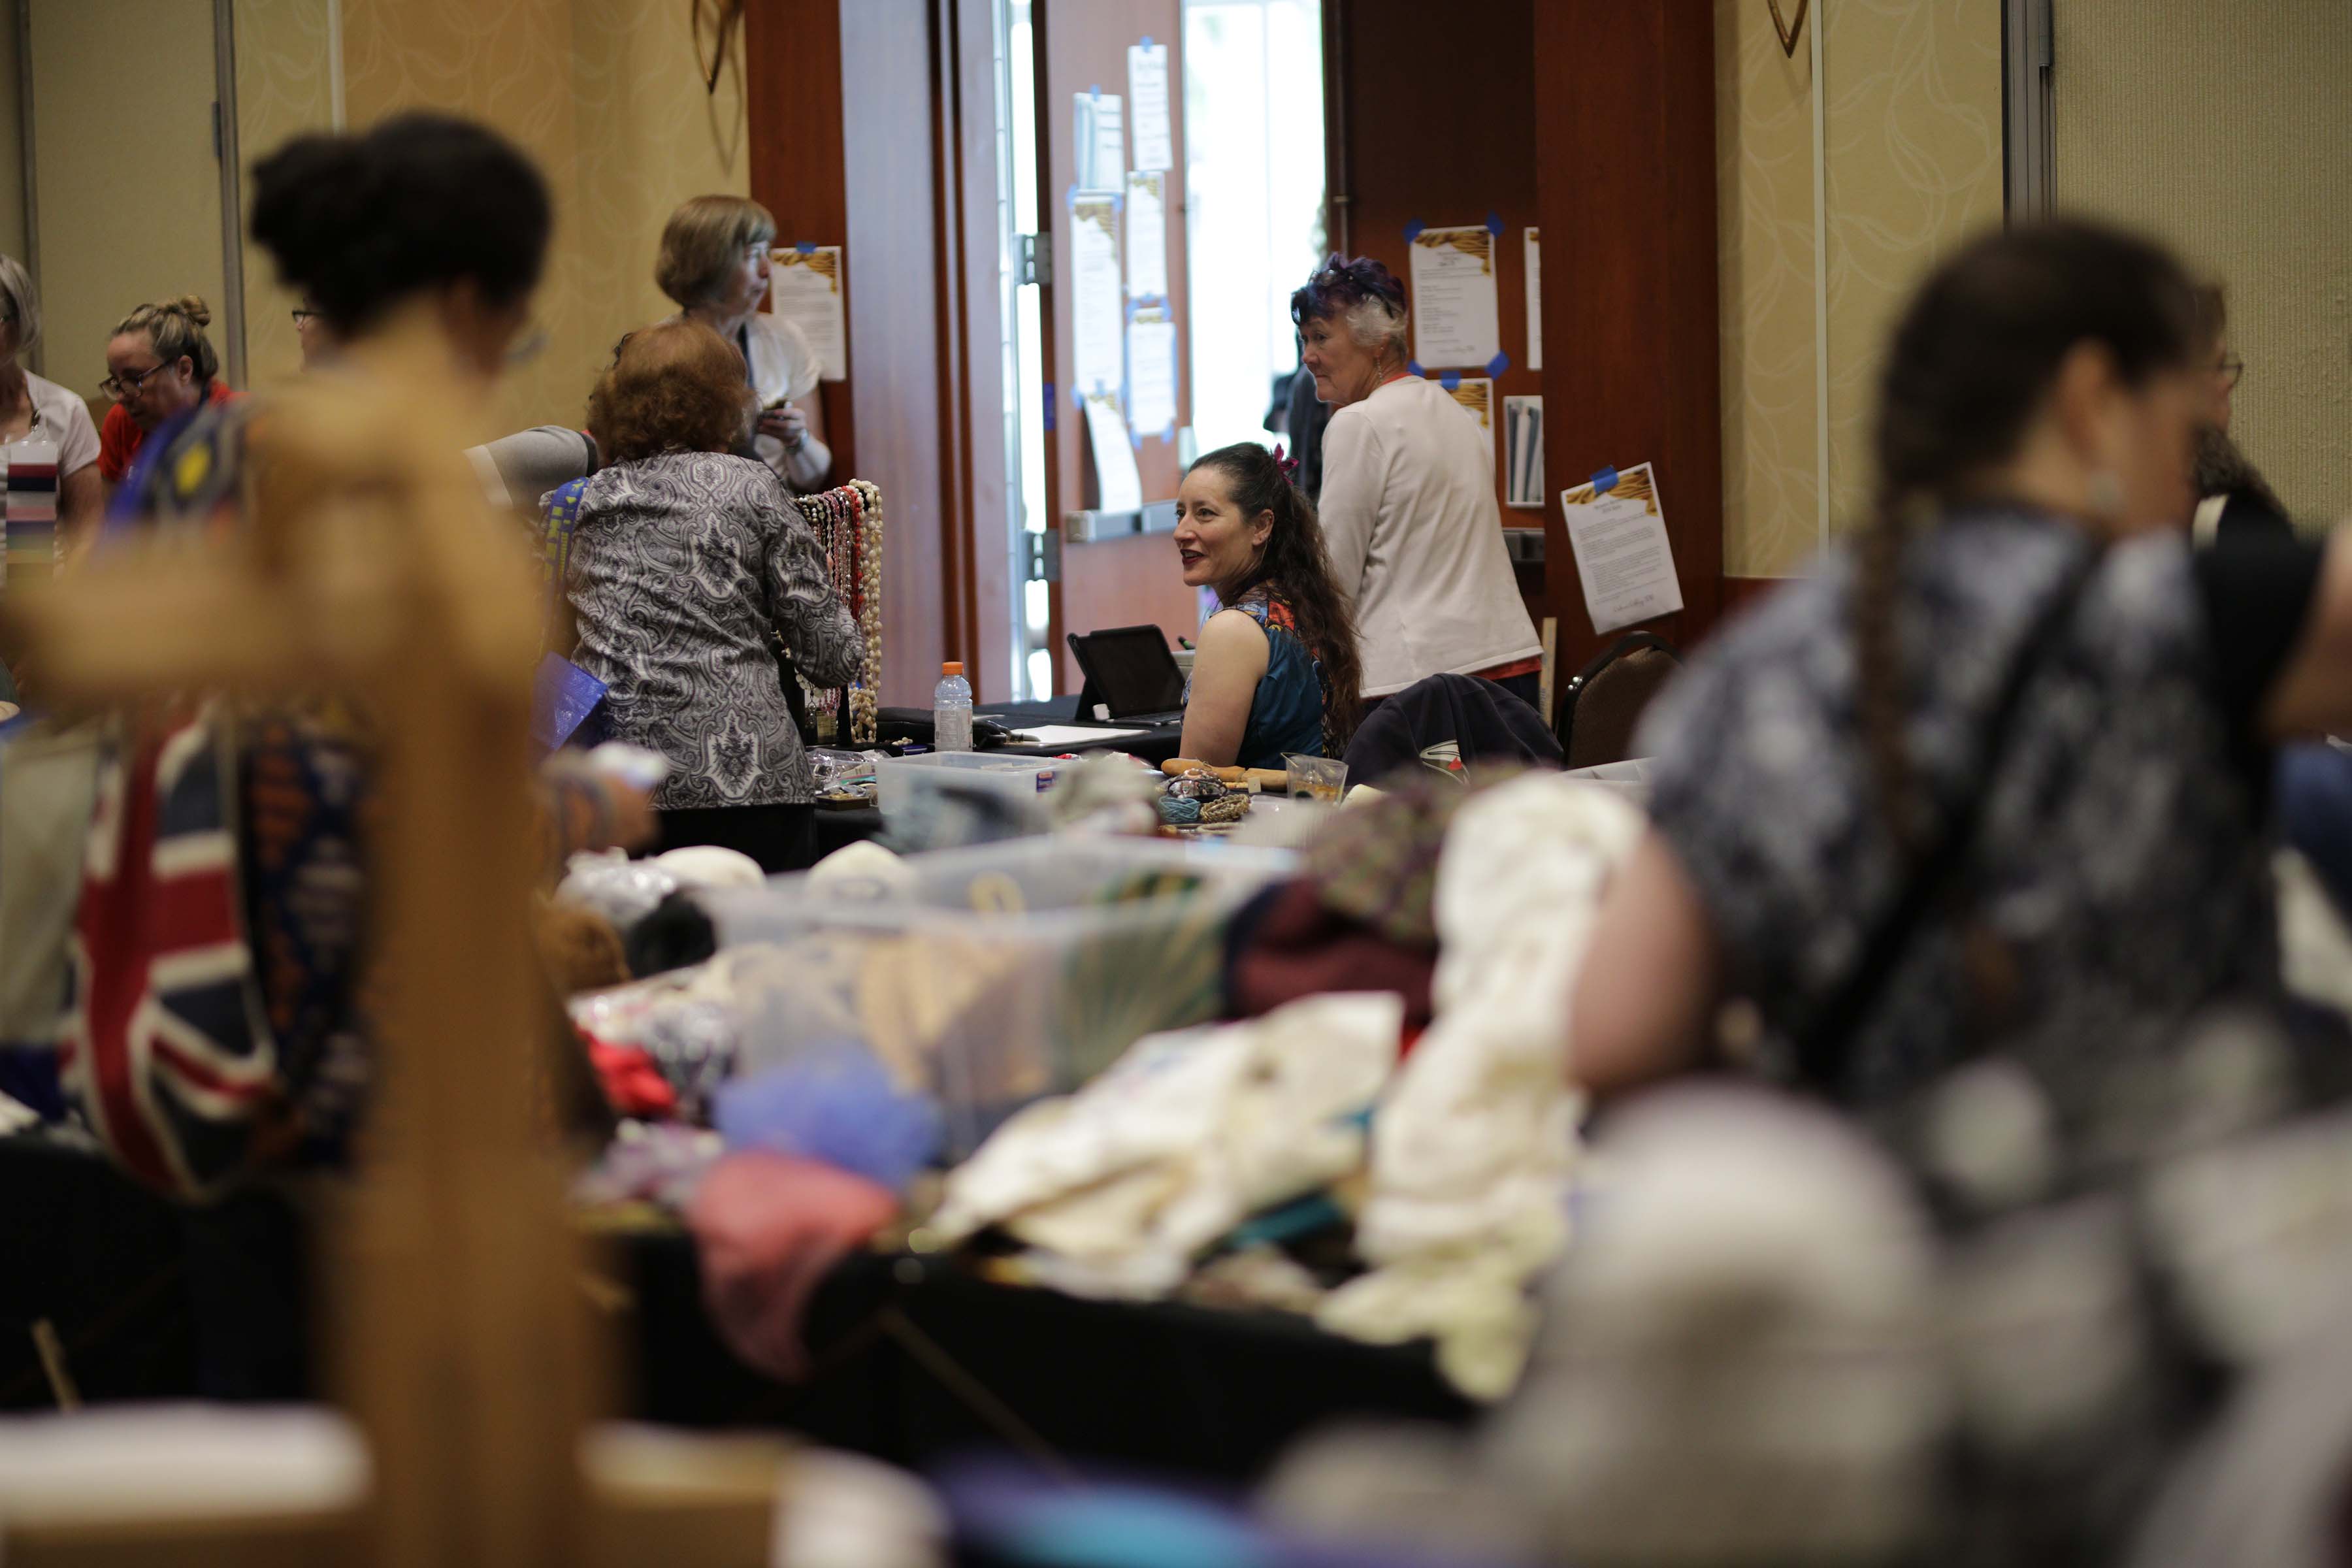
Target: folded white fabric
1120 1186
1473 1141
178 1462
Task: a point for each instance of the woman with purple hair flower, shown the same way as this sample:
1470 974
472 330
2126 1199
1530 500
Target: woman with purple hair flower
1408 502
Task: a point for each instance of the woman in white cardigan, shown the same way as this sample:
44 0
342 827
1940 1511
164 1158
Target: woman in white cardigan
1408 502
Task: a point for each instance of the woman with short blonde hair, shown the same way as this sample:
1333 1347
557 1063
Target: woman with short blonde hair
32 409
714 263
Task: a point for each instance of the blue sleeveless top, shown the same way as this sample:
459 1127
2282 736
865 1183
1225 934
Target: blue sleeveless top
1286 713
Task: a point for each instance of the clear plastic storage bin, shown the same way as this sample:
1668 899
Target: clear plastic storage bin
1005 794
994 974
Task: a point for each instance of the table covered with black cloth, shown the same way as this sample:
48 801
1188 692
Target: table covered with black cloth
914 1357
917 1358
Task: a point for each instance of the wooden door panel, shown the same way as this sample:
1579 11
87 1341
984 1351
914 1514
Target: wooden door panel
1127 581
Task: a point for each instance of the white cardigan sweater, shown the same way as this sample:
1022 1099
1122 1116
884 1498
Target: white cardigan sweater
1409 513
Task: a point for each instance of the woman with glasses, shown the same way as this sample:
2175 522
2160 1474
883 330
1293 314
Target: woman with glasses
2233 495
714 263
316 332
37 409
159 367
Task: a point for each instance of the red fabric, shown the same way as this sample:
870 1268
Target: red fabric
768 1228
1299 948
120 436
631 1080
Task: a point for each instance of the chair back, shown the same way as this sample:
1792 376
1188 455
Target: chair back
1602 706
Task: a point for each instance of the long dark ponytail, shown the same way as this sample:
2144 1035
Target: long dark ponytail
1295 565
1966 372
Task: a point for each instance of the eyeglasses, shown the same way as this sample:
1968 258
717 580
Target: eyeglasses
529 343
122 384
2232 370
301 316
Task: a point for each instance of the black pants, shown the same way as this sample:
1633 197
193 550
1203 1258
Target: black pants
779 837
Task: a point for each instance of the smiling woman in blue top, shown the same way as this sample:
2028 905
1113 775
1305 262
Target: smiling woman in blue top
1277 670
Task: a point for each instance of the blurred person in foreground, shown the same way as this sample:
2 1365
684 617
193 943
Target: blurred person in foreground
1992 782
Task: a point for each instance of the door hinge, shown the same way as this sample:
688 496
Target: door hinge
1045 561
1032 259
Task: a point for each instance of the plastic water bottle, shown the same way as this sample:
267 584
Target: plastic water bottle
952 709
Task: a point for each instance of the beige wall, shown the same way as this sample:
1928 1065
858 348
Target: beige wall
2225 129
607 94
285 85
128 190
1913 135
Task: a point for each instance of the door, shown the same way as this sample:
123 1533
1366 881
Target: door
1081 51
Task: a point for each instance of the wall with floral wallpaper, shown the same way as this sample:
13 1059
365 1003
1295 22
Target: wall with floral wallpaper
608 95
2223 128
1913 133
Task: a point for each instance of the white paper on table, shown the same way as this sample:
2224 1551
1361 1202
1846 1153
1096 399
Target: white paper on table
1455 319
1070 735
804 288
1535 306
1622 555
1118 487
1523 481
1098 301
1151 373
1147 84
1147 237
1100 142
1475 395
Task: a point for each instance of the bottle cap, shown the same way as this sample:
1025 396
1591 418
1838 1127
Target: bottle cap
952 666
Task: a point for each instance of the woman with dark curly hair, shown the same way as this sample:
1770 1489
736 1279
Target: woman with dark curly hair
686 563
1277 669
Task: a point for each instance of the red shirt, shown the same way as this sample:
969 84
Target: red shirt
120 438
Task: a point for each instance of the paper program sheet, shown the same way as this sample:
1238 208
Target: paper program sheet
1455 319
1535 298
1119 484
1100 142
1622 555
1097 298
1147 237
804 288
1476 393
1151 373
1147 84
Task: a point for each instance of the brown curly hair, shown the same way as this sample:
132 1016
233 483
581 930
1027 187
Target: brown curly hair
676 386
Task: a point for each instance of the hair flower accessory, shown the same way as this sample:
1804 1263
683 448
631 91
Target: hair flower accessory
1288 465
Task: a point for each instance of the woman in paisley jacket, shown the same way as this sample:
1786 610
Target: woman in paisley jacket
687 566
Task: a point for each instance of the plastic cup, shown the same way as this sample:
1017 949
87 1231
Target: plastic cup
1315 778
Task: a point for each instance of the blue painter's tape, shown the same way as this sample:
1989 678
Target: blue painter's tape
1495 224
1499 364
806 247
1095 94
1049 405
1168 434
1604 481
1412 230
1450 379
1413 367
1147 40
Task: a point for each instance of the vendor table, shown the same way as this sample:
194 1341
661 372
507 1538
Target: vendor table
914 1357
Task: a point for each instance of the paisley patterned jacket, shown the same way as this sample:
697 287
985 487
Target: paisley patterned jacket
685 570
